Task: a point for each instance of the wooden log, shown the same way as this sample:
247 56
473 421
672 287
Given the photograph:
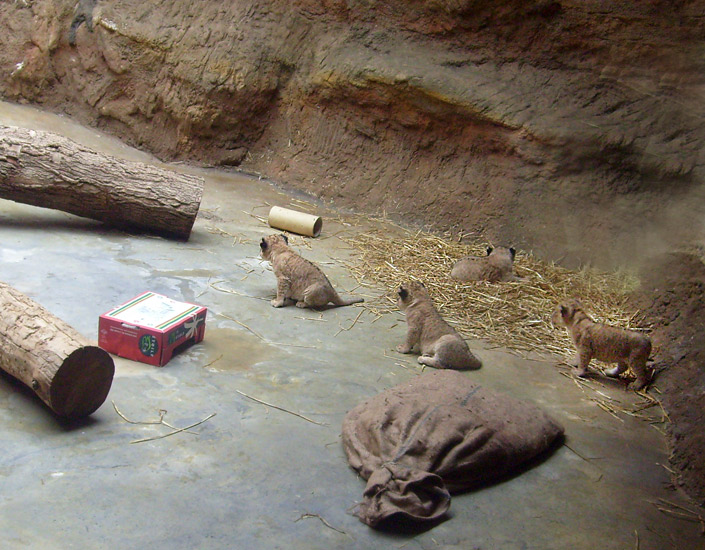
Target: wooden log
72 376
51 171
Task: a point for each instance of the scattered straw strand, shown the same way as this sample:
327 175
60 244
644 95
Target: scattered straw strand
161 420
281 409
679 512
162 412
514 315
229 291
213 362
258 335
352 324
176 431
307 516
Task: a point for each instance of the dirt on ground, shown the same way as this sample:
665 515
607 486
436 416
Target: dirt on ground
672 297
572 129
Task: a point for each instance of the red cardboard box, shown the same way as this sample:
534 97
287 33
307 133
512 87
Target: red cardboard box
151 328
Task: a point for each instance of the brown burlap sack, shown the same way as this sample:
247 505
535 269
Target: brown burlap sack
438 433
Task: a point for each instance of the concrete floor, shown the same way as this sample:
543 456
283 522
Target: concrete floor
254 476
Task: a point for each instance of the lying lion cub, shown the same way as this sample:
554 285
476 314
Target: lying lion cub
297 278
497 266
439 344
627 348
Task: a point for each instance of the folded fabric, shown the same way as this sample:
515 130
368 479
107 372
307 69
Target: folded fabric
438 433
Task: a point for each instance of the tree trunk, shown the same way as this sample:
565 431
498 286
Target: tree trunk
48 170
72 376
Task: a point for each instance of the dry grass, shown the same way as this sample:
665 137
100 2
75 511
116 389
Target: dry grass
515 315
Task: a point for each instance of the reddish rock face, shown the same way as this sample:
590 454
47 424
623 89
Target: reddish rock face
572 128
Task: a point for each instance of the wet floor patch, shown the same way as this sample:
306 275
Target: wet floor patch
228 349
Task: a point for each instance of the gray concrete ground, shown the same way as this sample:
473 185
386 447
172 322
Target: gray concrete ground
254 476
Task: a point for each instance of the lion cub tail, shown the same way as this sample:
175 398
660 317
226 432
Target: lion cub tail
473 362
338 301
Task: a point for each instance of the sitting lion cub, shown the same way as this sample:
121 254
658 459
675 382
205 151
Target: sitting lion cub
627 348
497 266
297 278
439 344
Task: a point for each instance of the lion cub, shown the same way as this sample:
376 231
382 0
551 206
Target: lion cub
439 344
297 278
627 348
497 266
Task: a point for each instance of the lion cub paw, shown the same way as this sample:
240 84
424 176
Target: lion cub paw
430 361
638 385
581 373
613 373
403 349
277 303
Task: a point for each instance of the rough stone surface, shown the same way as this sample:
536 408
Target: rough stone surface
496 122
673 298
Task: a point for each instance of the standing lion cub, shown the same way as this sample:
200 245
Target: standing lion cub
439 344
297 278
497 266
627 348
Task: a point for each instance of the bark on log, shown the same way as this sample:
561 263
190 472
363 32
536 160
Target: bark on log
69 374
51 171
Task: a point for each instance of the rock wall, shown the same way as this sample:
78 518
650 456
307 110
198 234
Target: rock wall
672 296
572 128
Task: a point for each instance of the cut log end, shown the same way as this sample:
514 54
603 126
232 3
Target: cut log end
82 382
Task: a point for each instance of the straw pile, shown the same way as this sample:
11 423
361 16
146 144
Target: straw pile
515 315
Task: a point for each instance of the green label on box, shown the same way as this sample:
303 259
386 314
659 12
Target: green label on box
149 345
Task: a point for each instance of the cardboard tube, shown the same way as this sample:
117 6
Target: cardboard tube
294 221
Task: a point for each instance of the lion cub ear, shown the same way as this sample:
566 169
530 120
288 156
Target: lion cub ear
263 244
512 251
489 250
403 293
286 239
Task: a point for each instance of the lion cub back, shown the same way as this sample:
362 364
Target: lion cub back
439 343
299 279
300 271
497 266
603 342
420 311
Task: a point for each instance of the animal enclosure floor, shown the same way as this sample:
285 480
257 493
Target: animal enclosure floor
255 475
